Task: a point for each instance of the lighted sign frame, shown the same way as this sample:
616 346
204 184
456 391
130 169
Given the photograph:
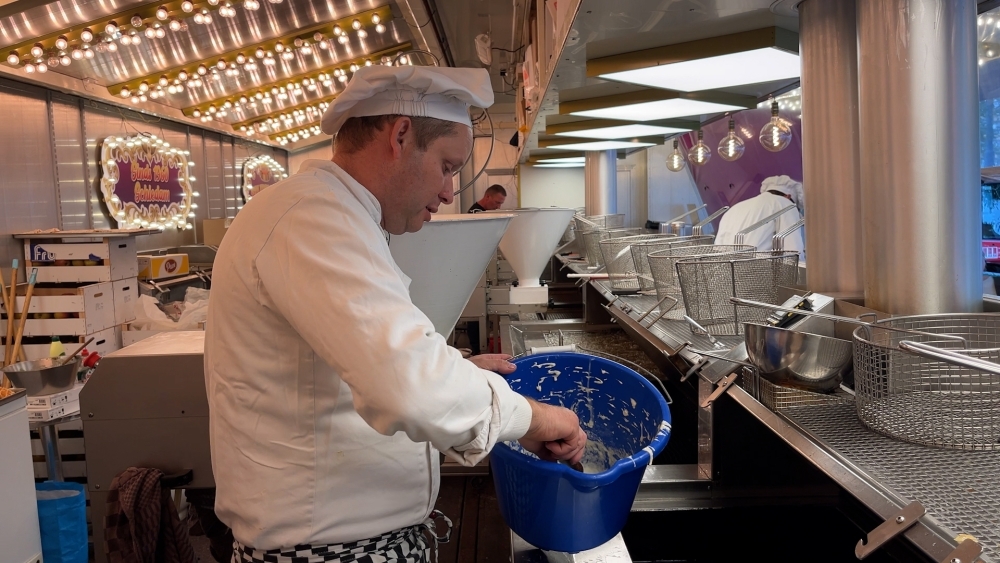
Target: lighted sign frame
260 172
156 192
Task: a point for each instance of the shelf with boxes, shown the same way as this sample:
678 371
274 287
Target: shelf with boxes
86 286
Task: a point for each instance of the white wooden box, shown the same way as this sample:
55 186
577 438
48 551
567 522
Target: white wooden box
131 335
126 295
42 414
105 342
67 311
78 262
55 399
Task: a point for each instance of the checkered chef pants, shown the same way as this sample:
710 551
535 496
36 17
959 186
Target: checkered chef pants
405 545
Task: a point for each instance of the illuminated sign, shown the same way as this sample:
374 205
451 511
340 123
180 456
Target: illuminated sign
260 172
146 183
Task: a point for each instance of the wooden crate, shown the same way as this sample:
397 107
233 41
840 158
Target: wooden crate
131 335
126 296
88 260
67 311
105 342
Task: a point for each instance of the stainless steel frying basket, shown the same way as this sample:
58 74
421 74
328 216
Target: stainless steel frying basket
620 264
921 400
663 263
778 397
709 282
592 243
642 250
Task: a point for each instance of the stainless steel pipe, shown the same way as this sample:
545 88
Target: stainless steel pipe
919 155
830 145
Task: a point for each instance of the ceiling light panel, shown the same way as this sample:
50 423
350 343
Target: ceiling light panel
600 146
560 165
659 109
723 71
567 160
623 131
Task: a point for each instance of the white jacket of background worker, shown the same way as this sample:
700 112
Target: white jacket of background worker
748 212
330 393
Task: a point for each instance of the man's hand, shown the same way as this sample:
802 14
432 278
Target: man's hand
554 434
494 362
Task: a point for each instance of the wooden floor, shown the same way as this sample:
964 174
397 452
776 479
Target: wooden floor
479 534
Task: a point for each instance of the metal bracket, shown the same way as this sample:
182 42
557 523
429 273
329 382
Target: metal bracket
694 369
967 552
892 527
724 386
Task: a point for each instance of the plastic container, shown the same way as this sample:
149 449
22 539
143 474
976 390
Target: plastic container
555 507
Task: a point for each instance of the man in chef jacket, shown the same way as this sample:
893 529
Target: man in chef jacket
330 393
776 193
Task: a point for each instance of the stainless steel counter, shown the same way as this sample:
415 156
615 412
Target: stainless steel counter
959 489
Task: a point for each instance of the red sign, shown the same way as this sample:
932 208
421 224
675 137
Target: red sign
146 183
991 250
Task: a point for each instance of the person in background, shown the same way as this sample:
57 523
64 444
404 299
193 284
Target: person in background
776 193
492 199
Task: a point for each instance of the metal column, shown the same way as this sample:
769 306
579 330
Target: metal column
921 206
830 146
601 182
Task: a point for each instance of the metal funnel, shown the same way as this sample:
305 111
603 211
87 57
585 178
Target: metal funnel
445 259
531 239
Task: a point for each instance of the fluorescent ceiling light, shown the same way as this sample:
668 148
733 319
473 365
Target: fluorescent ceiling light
723 71
560 165
601 146
566 160
623 131
660 109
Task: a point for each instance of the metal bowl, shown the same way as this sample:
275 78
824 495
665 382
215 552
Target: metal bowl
43 377
799 359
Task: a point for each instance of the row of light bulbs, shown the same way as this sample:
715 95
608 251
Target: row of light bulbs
161 147
775 136
284 92
298 135
286 120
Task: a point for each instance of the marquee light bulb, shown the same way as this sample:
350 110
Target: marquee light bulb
337 30
187 6
111 28
162 13
37 50
86 35
376 18
174 25
700 154
13 58
29 68
356 24
88 53
380 28
62 42
776 134
676 160
731 147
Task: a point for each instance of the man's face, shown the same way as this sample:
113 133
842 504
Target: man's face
494 201
423 179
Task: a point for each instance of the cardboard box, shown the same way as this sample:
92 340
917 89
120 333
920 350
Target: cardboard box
46 402
66 311
126 295
79 262
165 266
44 414
212 231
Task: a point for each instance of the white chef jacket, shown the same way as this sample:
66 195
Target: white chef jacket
748 212
330 393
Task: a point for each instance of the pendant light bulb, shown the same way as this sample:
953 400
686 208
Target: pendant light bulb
776 135
37 50
376 19
62 43
162 13
731 147
675 161
13 58
700 154
86 35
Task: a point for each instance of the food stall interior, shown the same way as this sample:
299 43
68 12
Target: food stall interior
831 366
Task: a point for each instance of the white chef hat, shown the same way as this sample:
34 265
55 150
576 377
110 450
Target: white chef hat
782 184
421 91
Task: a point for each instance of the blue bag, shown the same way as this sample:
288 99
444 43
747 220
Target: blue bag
62 520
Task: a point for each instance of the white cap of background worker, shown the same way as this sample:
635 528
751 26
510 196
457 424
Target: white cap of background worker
330 393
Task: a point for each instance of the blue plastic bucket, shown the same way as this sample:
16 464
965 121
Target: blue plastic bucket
555 507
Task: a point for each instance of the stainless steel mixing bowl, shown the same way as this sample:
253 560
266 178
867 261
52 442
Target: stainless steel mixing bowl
43 377
798 359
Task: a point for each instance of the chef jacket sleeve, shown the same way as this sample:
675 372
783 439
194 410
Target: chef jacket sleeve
326 269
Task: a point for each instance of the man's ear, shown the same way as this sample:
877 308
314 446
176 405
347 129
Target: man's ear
400 135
